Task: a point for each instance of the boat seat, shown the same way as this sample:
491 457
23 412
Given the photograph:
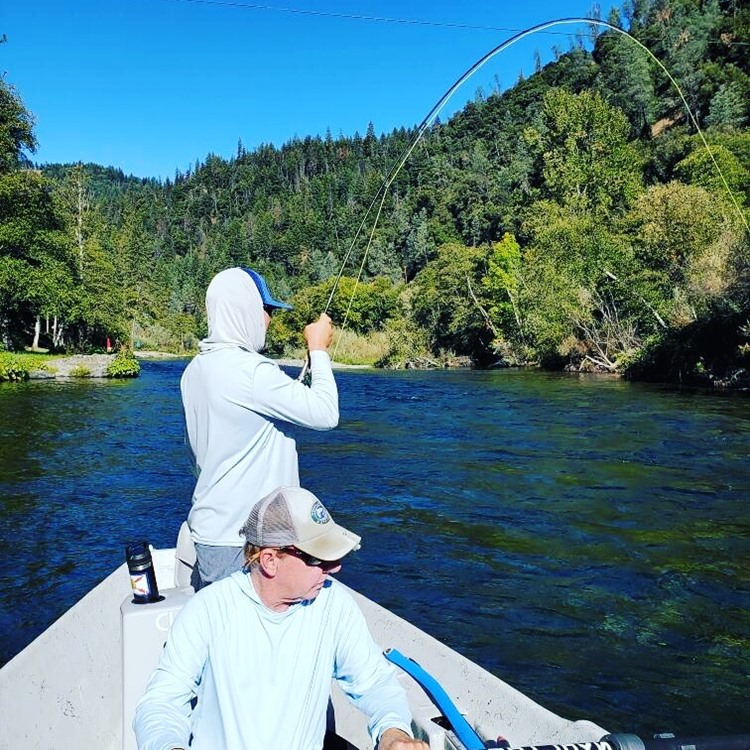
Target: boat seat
144 633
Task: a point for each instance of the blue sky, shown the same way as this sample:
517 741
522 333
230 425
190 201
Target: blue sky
151 86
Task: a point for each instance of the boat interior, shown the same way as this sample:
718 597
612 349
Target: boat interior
77 684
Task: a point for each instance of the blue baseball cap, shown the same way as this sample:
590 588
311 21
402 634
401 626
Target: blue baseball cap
265 292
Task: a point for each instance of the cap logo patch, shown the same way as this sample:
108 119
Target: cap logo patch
318 513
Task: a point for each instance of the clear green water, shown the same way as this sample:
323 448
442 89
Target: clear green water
583 538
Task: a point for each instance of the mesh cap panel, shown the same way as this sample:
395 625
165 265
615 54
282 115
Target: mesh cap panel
270 523
294 517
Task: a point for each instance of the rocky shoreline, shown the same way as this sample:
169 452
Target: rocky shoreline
76 366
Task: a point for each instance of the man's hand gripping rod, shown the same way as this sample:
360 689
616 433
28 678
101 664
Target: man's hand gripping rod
318 336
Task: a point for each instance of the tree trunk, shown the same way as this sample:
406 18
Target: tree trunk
37 331
57 333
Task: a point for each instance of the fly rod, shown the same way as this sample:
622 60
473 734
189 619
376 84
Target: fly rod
382 192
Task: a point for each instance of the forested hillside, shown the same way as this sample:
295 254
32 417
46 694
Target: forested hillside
584 218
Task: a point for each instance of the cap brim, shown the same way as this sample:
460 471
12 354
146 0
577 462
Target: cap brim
277 304
265 293
336 543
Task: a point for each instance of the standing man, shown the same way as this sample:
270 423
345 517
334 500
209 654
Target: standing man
259 649
236 402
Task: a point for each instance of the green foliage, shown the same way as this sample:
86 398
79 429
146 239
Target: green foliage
625 80
19 365
36 273
729 108
12 367
80 371
363 306
16 129
586 160
124 365
447 301
718 170
501 286
351 348
407 345
680 33
577 295
284 337
709 351
674 225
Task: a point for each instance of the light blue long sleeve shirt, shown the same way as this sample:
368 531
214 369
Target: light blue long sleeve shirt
263 678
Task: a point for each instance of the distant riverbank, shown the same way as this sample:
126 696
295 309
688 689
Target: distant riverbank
283 362
96 365
160 355
39 366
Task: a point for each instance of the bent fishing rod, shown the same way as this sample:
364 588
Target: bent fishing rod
382 192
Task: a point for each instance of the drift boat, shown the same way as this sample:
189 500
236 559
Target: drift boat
75 687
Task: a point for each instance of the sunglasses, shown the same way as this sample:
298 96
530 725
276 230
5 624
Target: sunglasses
313 562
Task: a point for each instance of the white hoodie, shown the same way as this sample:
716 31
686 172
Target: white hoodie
230 395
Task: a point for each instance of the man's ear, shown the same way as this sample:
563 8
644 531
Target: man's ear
269 561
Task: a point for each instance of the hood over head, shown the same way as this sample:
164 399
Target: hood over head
235 313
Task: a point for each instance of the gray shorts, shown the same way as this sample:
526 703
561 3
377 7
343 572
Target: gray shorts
214 563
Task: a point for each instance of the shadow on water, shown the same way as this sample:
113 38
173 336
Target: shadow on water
583 538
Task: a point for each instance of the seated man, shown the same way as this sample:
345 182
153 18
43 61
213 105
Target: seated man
258 649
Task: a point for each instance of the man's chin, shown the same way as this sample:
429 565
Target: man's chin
313 594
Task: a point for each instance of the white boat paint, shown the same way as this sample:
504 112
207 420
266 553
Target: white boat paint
65 690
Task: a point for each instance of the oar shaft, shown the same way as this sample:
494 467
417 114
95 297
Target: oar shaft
633 742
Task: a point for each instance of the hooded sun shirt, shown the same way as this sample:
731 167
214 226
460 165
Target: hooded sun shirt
263 678
236 404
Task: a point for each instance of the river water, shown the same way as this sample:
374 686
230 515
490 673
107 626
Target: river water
583 538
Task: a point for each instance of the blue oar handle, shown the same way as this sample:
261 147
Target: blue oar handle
462 729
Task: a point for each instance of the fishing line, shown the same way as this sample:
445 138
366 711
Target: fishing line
377 19
381 194
346 16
